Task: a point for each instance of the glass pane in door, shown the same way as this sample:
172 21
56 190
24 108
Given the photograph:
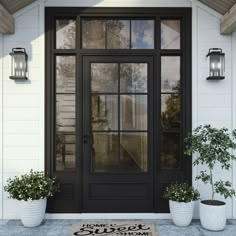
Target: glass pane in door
104 77
105 151
104 112
133 77
119 121
134 147
133 110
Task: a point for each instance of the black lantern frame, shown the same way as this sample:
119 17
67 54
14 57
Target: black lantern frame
216 64
19 62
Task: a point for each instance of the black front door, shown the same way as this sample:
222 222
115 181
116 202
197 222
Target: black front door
118 106
117 134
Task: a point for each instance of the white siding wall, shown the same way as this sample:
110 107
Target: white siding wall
214 98
1 109
233 63
23 103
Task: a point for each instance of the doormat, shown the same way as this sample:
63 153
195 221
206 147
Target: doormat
114 228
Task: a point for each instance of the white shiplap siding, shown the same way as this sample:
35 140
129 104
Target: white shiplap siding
21 102
1 127
23 110
214 97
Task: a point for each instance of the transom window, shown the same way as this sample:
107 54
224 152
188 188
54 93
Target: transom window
117 34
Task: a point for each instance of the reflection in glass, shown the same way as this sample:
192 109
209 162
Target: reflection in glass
65 131
104 112
118 34
142 35
133 109
133 77
65 34
170 74
170 143
170 111
65 112
105 151
170 34
132 150
134 147
93 33
104 77
65 74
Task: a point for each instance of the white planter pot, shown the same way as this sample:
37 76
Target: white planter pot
32 212
181 212
213 217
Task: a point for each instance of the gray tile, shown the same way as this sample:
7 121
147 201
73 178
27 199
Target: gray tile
169 230
61 222
40 231
3 222
62 228
228 231
14 223
163 222
233 222
195 222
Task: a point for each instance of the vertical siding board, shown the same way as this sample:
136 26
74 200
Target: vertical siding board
234 113
1 125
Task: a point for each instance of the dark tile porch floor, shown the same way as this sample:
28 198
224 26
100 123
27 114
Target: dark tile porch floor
62 228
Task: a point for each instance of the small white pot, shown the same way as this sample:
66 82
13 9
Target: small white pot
32 212
181 212
213 217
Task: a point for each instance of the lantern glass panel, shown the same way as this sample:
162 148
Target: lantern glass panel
19 65
222 62
216 65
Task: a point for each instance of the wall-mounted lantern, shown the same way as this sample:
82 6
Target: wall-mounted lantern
19 63
216 64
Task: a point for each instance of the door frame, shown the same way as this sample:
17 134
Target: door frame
163 177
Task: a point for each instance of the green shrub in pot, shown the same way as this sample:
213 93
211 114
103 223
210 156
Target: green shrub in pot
32 191
212 146
181 198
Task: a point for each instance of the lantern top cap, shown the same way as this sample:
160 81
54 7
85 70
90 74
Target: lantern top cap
18 51
215 51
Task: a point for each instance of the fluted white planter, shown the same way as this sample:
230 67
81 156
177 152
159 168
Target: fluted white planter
181 212
213 217
32 212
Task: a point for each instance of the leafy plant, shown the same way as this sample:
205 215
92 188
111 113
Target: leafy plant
32 186
212 146
181 192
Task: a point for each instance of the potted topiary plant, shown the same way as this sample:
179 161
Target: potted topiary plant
31 190
181 198
213 146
